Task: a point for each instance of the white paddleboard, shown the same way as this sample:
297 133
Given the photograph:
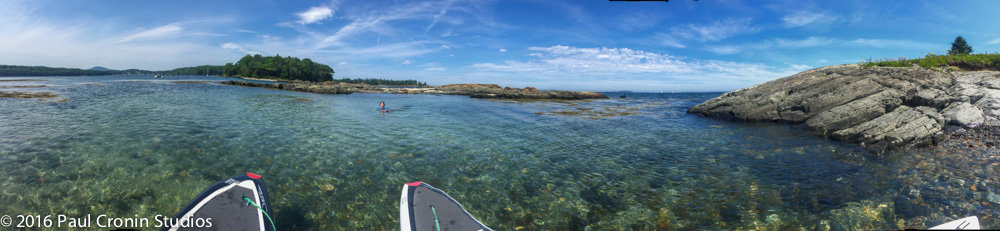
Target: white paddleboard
968 223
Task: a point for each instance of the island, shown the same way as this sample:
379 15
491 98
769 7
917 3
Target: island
880 105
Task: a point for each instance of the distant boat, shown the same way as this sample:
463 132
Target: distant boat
158 76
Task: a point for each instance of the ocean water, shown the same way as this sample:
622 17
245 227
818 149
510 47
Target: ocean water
134 146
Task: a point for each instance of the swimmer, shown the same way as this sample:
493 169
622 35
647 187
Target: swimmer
381 107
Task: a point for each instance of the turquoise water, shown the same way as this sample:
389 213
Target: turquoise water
130 146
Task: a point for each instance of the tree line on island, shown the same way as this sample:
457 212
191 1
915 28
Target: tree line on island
256 66
264 67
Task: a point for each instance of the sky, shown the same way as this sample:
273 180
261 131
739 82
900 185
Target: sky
675 46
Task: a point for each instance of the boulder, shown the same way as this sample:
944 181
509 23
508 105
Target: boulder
963 114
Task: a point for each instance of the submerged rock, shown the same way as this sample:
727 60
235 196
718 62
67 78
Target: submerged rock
993 198
878 107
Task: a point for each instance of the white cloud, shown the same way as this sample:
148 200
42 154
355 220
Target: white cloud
374 31
407 62
798 66
894 43
447 33
636 21
436 69
814 41
995 41
724 50
270 38
390 51
341 63
706 33
31 38
598 68
667 40
441 13
235 46
232 46
566 59
503 50
314 14
159 32
803 18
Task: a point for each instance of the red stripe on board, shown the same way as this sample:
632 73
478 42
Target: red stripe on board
254 176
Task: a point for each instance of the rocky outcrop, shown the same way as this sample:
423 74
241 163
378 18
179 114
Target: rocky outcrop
878 107
471 90
299 86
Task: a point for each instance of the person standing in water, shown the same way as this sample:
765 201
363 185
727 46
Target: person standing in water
381 107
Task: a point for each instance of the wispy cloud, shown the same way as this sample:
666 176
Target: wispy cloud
238 47
995 41
574 61
804 18
314 14
603 60
724 49
561 64
376 31
441 13
159 32
31 38
815 41
706 33
636 21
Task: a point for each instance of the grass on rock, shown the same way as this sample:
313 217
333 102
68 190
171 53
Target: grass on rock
970 62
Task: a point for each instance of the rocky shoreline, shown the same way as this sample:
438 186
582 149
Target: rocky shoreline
471 90
880 108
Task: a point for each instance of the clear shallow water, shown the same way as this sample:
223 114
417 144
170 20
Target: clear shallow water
333 162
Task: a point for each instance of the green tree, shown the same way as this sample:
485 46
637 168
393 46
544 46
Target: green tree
960 47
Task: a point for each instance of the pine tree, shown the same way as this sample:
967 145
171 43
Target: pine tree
960 47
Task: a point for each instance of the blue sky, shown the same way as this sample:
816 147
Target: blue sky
708 45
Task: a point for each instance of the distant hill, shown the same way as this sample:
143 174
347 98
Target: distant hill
12 70
99 68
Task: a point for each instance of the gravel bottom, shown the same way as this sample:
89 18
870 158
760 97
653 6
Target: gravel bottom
959 177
